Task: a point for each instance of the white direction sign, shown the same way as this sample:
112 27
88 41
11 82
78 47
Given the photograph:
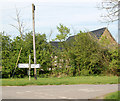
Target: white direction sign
23 65
26 65
35 65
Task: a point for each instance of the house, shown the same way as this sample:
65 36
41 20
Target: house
102 35
99 34
55 44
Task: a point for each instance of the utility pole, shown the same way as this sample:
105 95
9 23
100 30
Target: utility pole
33 15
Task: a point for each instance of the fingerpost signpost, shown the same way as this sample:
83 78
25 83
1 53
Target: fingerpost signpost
28 65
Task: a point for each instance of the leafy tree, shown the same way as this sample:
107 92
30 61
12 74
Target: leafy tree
62 52
43 52
81 55
64 32
0 52
87 55
11 49
114 65
6 53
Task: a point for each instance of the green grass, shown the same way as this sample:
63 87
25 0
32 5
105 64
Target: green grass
61 81
114 95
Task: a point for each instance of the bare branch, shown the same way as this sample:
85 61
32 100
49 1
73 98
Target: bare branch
111 7
14 26
51 32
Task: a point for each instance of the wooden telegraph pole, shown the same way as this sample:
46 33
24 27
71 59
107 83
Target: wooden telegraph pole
33 15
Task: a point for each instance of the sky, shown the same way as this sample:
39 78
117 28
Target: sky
77 15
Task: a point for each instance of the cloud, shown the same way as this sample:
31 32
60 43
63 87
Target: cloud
81 14
63 1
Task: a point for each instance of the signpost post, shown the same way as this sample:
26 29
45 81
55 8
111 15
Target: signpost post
26 65
29 65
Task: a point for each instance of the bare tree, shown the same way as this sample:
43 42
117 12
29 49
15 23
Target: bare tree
20 27
112 10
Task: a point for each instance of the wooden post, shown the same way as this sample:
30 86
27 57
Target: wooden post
33 14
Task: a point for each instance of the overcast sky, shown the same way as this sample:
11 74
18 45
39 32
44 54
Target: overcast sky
75 14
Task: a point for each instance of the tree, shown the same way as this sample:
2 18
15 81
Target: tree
112 9
114 65
64 33
87 57
43 51
21 30
10 51
0 51
6 54
62 51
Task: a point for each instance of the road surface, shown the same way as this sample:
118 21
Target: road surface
82 91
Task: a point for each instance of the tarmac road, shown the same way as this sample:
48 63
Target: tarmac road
82 91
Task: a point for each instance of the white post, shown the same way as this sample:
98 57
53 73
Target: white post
29 65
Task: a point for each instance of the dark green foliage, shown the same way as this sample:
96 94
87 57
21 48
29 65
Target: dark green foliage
82 55
88 53
6 54
114 65
11 48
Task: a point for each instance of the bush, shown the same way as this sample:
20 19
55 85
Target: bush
85 72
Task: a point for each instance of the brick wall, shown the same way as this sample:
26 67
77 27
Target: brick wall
109 40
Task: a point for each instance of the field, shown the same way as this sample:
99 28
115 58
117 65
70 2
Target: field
61 81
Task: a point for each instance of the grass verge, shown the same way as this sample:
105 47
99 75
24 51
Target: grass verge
61 81
112 96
